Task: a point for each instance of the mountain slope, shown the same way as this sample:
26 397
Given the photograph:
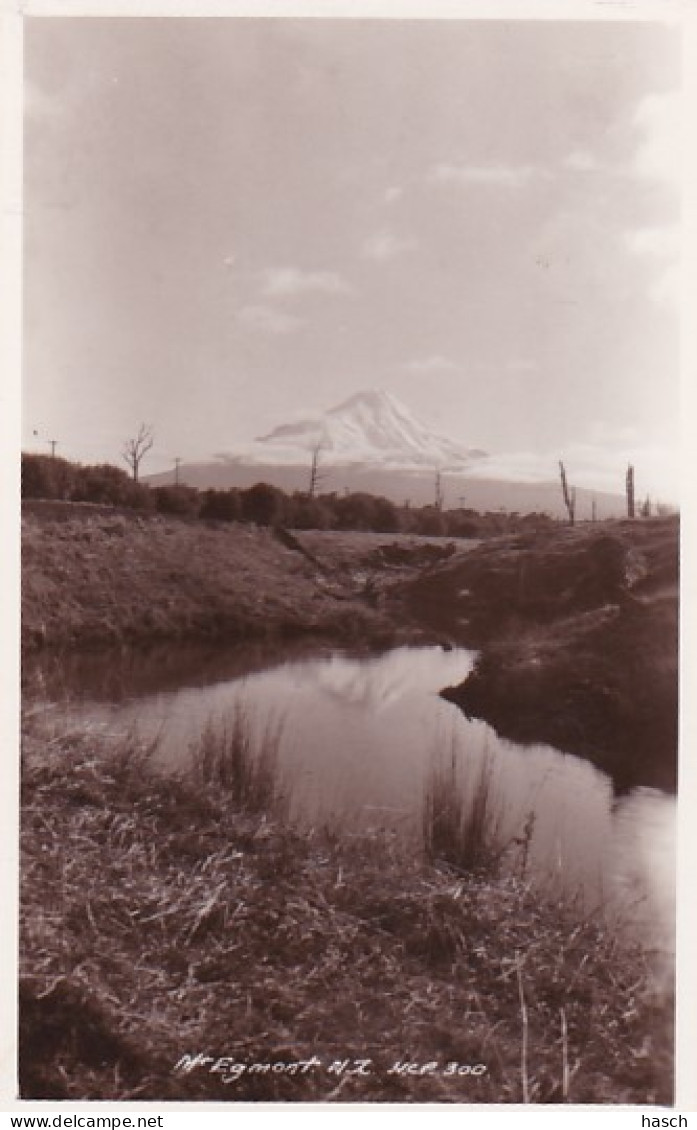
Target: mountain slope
371 427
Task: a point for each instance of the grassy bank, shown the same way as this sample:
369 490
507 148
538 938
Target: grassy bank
162 918
94 576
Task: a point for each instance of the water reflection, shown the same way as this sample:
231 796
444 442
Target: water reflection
360 737
644 867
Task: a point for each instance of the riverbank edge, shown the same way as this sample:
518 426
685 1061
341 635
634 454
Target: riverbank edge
162 918
577 632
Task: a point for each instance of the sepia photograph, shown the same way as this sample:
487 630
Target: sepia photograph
350 588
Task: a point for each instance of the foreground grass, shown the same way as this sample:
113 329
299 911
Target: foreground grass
161 919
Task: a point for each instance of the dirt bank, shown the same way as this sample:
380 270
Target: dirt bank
579 636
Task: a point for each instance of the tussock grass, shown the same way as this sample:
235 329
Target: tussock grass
462 822
158 919
230 759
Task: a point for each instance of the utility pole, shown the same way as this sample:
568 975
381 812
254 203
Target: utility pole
594 514
54 445
177 461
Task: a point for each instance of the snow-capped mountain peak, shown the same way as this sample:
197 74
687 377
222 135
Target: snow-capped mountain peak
370 427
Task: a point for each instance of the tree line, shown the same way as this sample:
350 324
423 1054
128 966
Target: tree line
50 477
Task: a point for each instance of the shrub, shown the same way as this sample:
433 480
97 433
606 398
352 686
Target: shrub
355 511
221 505
177 499
105 483
263 504
385 517
47 476
431 521
308 513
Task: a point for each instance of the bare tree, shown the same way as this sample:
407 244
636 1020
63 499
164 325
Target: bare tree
133 450
316 473
569 495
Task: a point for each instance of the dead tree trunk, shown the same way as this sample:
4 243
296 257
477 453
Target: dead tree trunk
569 495
439 491
630 491
135 449
316 472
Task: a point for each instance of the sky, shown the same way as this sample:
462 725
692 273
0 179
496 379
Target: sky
232 223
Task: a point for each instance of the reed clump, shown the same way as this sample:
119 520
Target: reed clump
160 921
231 759
462 823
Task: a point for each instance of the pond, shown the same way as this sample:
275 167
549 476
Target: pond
361 740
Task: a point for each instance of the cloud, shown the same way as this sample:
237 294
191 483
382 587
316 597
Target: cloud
265 319
503 176
393 194
599 464
656 242
665 290
658 119
521 365
661 247
384 246
434 364
581 161
284 282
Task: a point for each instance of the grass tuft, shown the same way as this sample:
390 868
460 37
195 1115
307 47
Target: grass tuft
462 824
231 760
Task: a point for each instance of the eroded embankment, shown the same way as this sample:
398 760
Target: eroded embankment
578 631
92 576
